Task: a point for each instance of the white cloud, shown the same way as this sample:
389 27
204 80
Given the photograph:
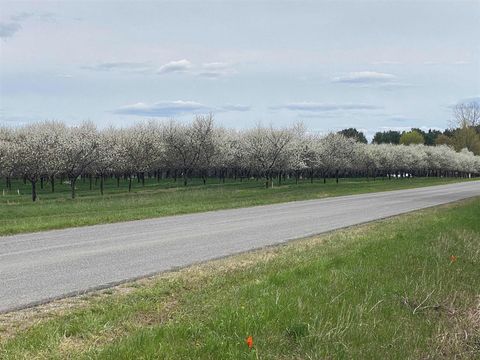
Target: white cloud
400 119
322 107
467 100
10 119
216 69
387 62
365 78
119 66
176 108
163 108
472 99
461 62
9 29
237 107
211 70
22 16
175 66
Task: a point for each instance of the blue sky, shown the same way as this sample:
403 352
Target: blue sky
365 64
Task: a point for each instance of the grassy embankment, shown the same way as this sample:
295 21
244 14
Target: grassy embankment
56 210
386 290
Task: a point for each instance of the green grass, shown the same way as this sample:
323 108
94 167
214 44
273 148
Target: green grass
386 290
54 211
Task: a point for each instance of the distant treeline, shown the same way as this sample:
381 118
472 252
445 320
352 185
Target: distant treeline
453 137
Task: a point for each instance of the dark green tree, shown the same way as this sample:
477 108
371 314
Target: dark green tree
431 137
387 137
449 132
354 134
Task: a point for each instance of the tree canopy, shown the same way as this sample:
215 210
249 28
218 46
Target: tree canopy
387 137
411 137
354 134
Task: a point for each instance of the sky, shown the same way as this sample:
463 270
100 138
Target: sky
373 65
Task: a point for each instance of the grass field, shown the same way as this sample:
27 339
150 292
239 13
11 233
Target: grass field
56 210
403 288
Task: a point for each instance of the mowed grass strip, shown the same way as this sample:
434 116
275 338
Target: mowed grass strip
18 214
403 288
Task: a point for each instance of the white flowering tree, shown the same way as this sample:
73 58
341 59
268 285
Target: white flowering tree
79 150
37 152
53 132
299 152
208 140
7 151
267 150
336 153
185 145
143 149
49 150
110 157
363 161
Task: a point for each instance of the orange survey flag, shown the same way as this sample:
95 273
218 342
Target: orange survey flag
249 341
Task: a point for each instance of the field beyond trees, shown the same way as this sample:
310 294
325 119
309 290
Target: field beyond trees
403 288
166 197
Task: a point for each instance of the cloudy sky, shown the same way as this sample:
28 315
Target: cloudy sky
365 64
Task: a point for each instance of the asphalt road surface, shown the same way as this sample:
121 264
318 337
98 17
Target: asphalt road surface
39 267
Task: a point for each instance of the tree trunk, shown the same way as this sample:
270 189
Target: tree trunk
101 184
34 190
143 179
72 186
41 183
52 183
118 181
130 183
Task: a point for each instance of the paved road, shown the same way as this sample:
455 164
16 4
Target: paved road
38 267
